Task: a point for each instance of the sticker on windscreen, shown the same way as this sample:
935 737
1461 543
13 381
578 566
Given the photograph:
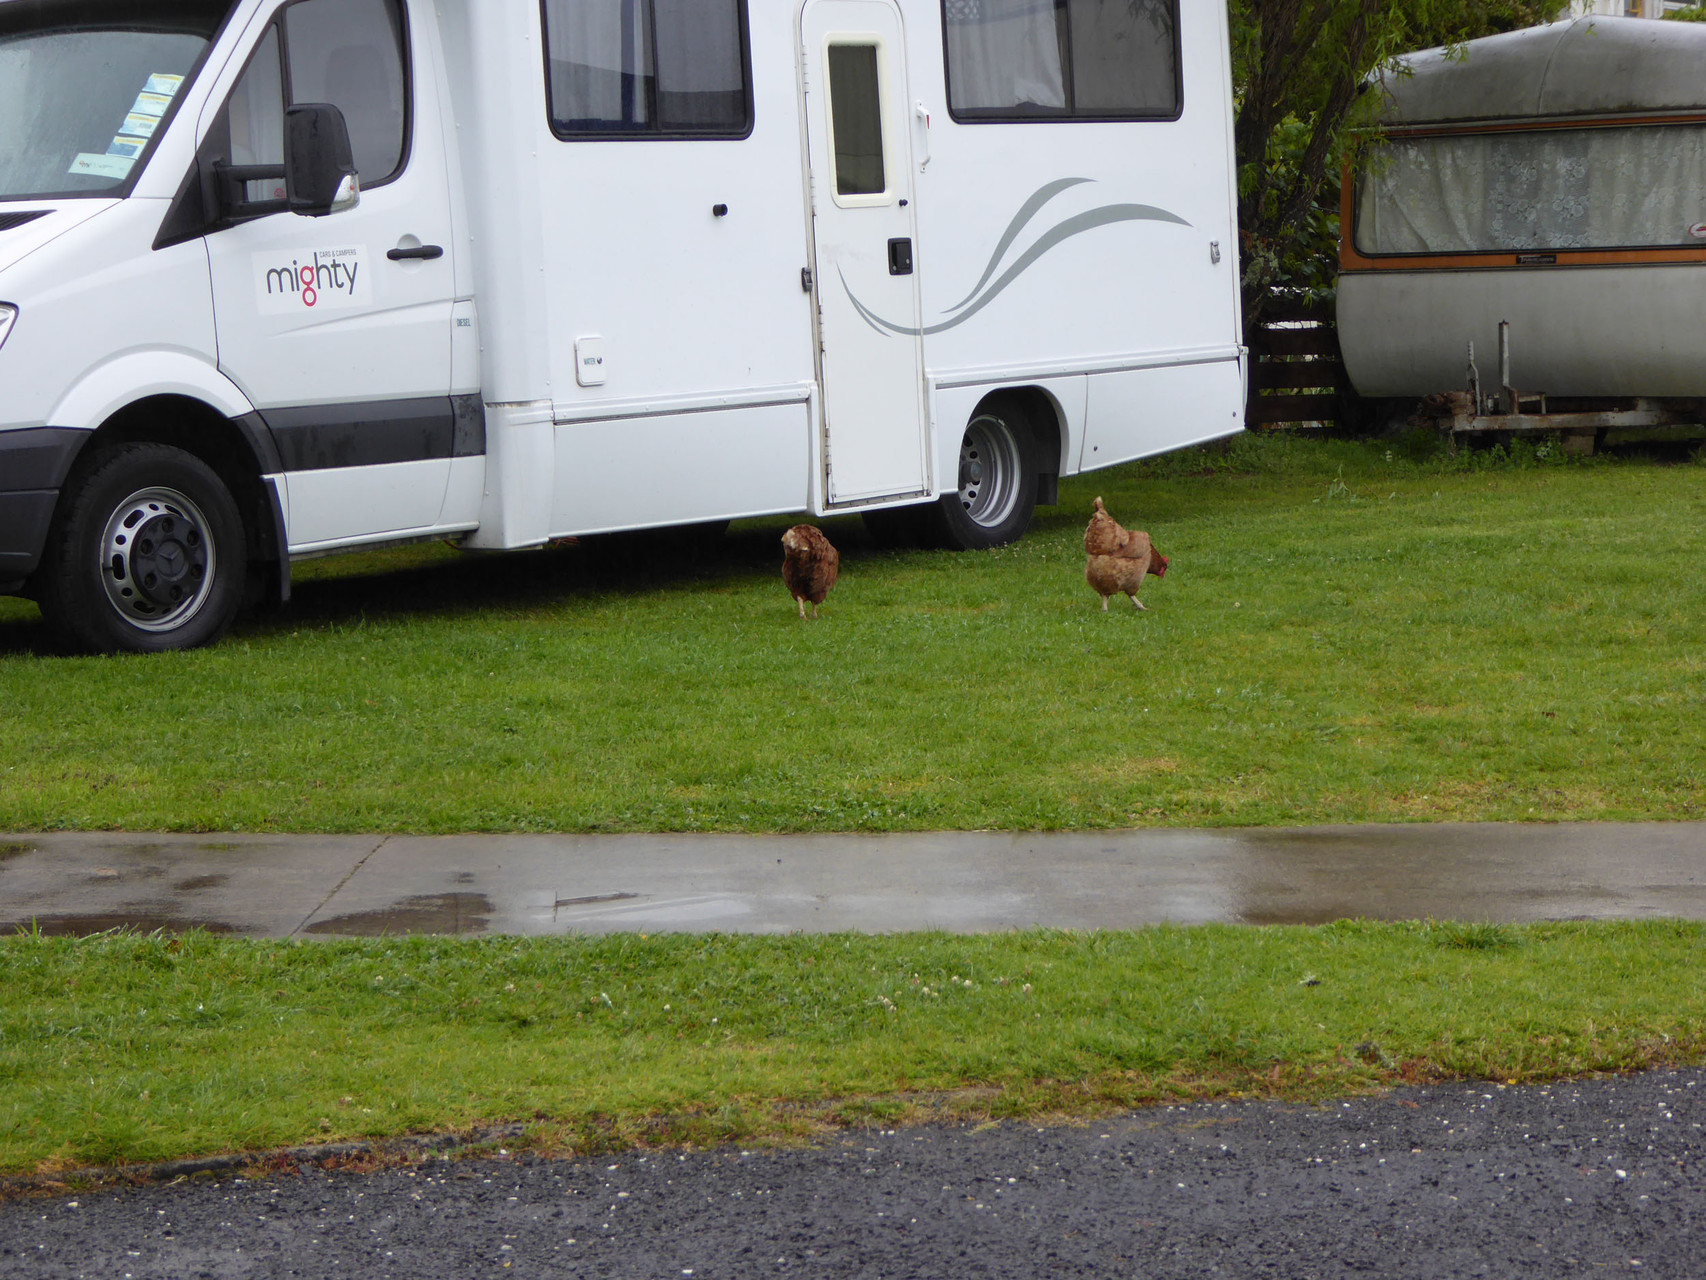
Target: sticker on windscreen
139 125
302 280
99 166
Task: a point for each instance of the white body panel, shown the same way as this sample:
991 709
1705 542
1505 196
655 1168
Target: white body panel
1093 261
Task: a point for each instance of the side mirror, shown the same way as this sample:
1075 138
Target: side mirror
319 167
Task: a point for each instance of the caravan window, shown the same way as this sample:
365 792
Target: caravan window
648 68
1604 188
1062 59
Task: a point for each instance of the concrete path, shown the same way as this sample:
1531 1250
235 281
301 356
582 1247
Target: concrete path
279 886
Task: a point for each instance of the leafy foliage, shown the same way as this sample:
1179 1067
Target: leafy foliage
1299 69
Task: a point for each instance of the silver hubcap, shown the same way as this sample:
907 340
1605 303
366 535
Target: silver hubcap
989 471
157 562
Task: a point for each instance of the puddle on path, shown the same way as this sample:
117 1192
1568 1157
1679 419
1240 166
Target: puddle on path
72 926
195 884
425 913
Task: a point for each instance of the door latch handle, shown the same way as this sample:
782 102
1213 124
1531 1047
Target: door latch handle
900 257
421 253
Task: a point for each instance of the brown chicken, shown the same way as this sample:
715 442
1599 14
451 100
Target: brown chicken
1104 537
809 566
1118 558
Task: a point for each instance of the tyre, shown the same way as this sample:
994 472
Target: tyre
146 554
997 490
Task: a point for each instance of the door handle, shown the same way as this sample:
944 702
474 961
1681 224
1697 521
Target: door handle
900 257
421 253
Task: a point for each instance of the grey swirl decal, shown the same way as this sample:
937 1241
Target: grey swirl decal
1027 211
1073 226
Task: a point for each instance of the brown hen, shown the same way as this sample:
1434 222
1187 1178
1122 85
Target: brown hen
1118 558
1103 536
809 566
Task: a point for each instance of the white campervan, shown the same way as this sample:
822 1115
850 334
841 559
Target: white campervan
280 277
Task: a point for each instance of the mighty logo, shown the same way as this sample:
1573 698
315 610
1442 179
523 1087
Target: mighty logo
306 280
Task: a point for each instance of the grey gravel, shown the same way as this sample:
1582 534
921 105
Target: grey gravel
1586 1178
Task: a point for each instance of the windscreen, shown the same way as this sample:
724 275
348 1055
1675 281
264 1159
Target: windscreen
86 84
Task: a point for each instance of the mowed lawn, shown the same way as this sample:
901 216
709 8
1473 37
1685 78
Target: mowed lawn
1346 633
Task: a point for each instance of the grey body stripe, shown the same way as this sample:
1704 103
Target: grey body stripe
1075 225
1027 211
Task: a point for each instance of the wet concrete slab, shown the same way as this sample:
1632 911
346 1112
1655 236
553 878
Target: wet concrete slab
319 886
81 883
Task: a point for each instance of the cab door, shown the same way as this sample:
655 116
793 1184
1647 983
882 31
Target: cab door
338 328
871 360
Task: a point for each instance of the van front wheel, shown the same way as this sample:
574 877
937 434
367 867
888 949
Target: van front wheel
147 554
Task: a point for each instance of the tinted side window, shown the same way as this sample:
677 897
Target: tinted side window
1062 59
350 53
648 68
1124 59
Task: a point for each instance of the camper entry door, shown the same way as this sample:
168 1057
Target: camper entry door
870 354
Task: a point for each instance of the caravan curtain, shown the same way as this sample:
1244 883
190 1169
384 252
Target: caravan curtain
1534 189
601 63
1004 54
647 65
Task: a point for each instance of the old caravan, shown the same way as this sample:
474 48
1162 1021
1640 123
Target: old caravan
1542 196
281 277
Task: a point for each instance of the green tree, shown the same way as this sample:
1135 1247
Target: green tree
1298 69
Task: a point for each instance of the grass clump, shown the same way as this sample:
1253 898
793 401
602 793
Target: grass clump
124 1048
1376 631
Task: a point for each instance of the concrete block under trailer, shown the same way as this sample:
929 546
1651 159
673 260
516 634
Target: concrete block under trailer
284 277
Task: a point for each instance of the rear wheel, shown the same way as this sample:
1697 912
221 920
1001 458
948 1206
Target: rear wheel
147 554
996 492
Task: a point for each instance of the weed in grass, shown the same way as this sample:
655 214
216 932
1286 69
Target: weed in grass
1472 936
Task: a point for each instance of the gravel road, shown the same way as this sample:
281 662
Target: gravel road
1593 1178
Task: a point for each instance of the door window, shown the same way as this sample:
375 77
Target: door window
856 120
350 53
255 118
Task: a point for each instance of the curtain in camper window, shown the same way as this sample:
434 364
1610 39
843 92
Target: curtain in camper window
1004 55
1534 189
1062 59
647 67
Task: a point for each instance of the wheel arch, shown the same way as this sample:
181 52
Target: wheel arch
1046 419
239 449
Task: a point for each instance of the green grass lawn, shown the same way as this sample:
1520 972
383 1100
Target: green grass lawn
1348 632
118 1049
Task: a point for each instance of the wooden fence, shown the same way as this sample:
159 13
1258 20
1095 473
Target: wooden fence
1296 374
